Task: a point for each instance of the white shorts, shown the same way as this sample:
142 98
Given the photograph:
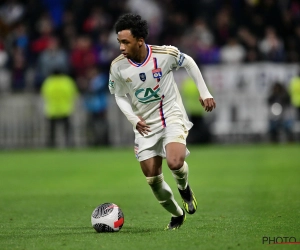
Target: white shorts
155 145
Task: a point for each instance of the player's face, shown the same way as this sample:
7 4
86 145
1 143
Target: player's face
129 45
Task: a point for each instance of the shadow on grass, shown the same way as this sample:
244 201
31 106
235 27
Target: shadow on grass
40 232
58 231
139 230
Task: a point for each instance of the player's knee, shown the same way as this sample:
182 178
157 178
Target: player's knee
155 180
175 163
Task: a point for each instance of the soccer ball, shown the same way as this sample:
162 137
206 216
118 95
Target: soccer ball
107 217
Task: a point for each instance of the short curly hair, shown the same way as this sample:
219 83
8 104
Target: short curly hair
134 23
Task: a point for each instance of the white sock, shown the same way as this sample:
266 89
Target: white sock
164 195
181 176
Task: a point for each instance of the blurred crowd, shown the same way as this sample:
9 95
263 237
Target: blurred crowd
62 49
38 37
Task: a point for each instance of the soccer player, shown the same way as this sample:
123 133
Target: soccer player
142 81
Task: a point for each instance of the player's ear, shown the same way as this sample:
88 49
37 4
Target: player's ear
140 42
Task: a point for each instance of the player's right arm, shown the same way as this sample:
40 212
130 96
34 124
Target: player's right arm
119 89
137 122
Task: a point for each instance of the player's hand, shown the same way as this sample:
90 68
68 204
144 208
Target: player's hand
142 127
208 104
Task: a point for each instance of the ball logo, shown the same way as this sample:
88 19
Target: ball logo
104 210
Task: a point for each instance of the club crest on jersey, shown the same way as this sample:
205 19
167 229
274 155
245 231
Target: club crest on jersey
143 76
148 95
157 74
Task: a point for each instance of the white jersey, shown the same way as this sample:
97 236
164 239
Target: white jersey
151 86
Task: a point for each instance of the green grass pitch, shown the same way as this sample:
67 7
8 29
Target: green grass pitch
244 193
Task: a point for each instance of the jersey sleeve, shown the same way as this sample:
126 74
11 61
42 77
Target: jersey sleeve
176 58
116 85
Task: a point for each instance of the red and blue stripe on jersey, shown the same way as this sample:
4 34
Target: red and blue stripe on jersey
161 112
156 69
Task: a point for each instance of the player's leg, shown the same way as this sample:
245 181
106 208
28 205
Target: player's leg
152 169
175 154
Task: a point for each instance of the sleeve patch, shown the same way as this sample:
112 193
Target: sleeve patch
181 59
111 84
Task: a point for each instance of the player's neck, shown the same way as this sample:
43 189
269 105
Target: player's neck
143 52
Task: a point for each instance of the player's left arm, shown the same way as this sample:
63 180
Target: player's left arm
206 99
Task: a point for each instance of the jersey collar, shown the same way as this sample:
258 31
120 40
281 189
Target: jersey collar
149 53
